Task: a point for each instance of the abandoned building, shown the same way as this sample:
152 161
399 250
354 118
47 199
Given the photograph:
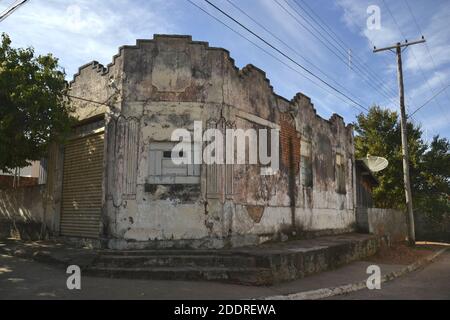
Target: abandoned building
114 181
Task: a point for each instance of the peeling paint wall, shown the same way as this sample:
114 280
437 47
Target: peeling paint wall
169 82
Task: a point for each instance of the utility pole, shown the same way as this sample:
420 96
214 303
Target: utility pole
407 184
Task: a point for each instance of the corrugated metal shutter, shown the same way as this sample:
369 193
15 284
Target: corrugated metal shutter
82 187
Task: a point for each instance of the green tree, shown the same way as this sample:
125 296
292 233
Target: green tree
33 108
434 191
378 133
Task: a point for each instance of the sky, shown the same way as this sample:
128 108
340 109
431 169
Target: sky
330 38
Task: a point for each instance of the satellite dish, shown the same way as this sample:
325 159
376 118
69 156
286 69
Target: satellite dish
374 163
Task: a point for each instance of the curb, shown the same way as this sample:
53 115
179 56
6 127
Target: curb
348 288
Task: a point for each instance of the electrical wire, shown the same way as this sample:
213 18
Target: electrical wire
7 12
426 45
415 58
287 45
280 52
429 100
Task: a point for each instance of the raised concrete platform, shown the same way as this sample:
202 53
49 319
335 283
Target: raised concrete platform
262 265
266 264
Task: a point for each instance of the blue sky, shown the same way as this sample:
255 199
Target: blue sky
79 31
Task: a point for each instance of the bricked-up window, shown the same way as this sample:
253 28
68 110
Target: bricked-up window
306 172
289 145
164 171
340 174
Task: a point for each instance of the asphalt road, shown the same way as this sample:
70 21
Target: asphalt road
26 279
430 283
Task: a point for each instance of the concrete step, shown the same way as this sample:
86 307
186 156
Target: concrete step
170 260
262 265
238 275
174 252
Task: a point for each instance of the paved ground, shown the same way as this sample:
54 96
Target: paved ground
432 282
26 279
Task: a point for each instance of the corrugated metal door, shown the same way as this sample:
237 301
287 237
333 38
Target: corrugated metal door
82 187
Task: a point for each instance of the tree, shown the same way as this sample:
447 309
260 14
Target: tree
33 107
378 133
433 195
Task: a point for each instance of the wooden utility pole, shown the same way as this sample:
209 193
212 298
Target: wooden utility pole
407 184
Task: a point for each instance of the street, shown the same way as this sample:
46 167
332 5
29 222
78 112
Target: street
432 282
25 279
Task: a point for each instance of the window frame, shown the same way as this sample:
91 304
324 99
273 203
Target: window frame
158 152
306 180
341 184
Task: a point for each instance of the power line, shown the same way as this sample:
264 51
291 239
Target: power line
335 38
286 44
341 57
11 9
282 53
241 35
426 45
365 71
415 58
434 96
270 54
87 100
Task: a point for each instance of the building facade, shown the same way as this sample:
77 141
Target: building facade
114 180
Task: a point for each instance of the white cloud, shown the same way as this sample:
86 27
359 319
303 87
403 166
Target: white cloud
437 35
80 31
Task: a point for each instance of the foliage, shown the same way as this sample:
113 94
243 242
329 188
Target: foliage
379 133
33 108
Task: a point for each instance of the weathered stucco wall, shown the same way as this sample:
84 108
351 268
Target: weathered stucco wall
169 82
383 222
22 212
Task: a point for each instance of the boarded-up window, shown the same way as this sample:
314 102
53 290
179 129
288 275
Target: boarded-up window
340 174
306 175
163 170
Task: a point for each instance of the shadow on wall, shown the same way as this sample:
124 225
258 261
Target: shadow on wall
22 212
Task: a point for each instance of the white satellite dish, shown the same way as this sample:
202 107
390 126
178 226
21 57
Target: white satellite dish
374 163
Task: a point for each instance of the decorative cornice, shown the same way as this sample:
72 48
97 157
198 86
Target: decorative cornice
246 72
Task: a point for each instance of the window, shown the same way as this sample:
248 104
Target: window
306 174
164 171
340 174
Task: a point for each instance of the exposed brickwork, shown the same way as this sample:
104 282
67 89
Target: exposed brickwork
289 144
6 182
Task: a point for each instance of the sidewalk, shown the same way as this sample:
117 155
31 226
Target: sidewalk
45 281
